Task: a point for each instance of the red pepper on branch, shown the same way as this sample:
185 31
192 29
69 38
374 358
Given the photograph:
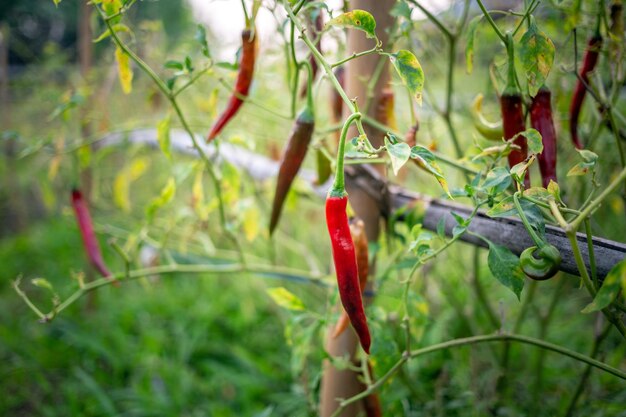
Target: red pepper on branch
344 254
294 154
90 242
541 120
357 230
589 63
513 114
242 86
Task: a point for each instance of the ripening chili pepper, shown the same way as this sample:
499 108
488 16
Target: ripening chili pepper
90 242
488 130
543 266
589 63
541 120
242 85
513 114
294 154
357 230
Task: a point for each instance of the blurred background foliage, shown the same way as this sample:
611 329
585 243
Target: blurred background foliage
196 345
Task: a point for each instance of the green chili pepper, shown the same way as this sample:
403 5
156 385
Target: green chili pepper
542 266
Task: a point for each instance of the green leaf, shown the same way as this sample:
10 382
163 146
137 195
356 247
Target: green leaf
399 153
285 299
175 65
410 71
506 207
356 19
613 283
499 177
536 53
469 47
533 140
201 39
427 161
167 194
163 136
505 266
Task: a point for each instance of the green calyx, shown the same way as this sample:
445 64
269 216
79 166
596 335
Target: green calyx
306 115
542 266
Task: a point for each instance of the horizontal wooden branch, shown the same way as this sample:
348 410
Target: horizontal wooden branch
508 232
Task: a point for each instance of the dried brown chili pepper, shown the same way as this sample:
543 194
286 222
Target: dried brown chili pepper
589 63
294 154
242 85
541 120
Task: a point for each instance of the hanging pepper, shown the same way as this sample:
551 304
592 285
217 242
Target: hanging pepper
357 231
242 85
589 63
90 242
542 267
541 120
488 130
344 253
513 114
294 154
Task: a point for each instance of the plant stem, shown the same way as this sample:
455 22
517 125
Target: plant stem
474 340
597 341
339 185
480 291
356 55
232 268
433 19
441 157
540 243
491 22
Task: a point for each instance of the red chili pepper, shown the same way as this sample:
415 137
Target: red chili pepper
357 231
344 257
589 63
541 120
90 242
294 154
242 86
513 114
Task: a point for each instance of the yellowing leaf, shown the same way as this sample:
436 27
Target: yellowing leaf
124 70
356 19
410 71
536 53
167 194
286 299
123 180
250 222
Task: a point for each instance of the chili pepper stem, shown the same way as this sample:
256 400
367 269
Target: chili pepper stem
540 243
339 185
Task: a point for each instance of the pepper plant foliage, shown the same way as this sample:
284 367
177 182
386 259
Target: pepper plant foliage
207 209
